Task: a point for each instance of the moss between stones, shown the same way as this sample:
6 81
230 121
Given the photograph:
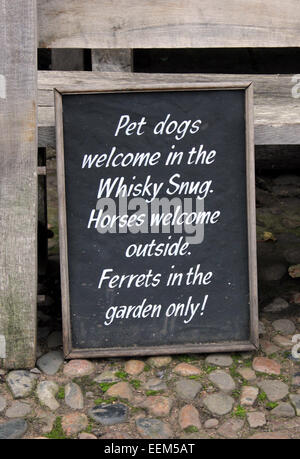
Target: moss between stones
135 383
186 358
262 397
209 368
100 400
271 405
122 375
195 377
191 429
105 386
61 393
57 432
153 392
239 412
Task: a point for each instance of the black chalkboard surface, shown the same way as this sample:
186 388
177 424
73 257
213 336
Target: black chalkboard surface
157 220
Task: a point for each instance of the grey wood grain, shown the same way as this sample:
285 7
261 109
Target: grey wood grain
168 23
276 112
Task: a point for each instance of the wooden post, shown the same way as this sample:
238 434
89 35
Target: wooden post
112 60
18 183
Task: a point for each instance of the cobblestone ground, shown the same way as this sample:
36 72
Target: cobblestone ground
239 395
246 395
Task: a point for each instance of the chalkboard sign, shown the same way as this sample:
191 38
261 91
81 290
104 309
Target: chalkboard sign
157 219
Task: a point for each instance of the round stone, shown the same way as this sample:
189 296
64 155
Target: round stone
46 391
46 420
51 362
247 373
187 389
153 429
221 360
211 423
159 362
189 416
21 383
283 341
134 367
283 410
256 419
18 410
106 376
219 404
155 384
275 390
185 369
78 368
264 365
284 326
109 414
13 430
230 428
121 390
73 396
222 380
158 405
249 395
277 305
74 423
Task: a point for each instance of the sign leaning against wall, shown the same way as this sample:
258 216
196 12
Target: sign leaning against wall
157 218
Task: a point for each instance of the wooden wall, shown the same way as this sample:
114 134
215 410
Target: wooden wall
168 23
277 113
119 26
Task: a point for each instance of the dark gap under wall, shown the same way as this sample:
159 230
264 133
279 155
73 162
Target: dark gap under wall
214 60
66 59
44 59
274 160
218 60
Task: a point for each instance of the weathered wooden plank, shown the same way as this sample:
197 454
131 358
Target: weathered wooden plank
277 113
168 23
18 183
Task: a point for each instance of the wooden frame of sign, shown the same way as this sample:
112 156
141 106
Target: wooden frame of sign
171 84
